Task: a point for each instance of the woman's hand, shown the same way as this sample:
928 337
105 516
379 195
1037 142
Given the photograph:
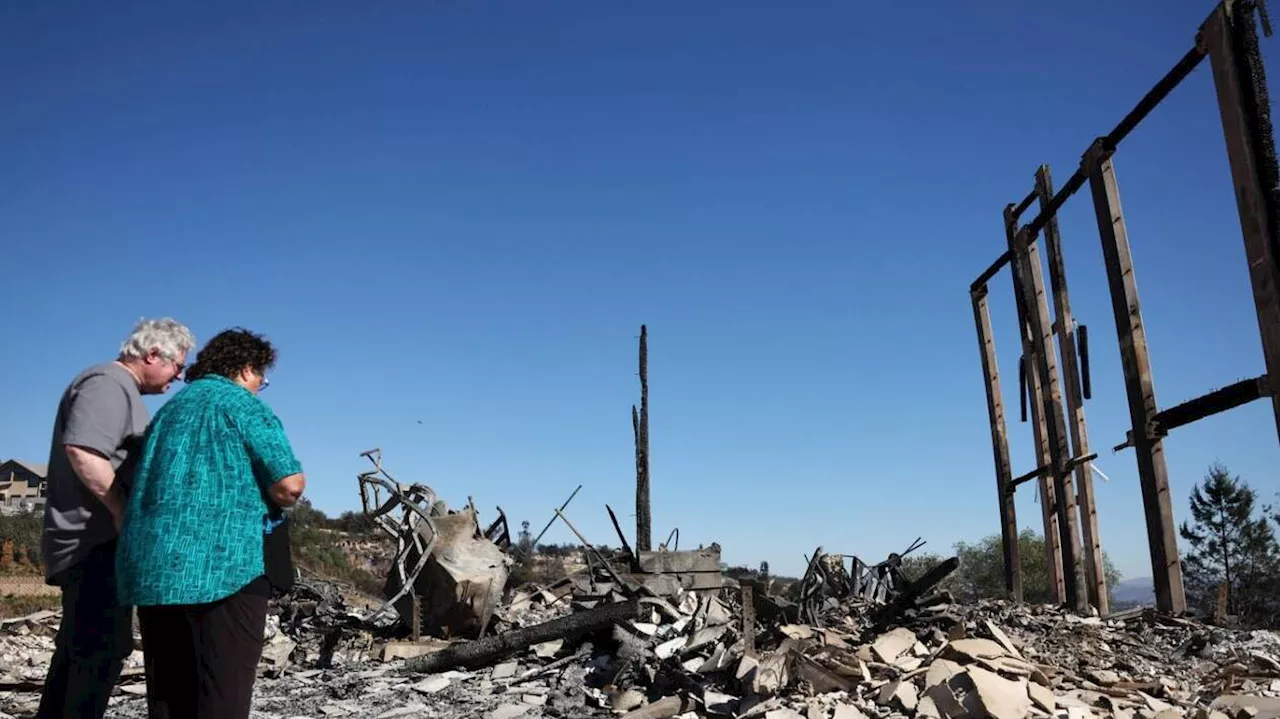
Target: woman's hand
287 491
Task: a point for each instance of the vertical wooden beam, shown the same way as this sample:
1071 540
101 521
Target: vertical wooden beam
1027 261
1048 482
999 444
640 425
1153 474
1048 491
1095 579
749 618
1246 125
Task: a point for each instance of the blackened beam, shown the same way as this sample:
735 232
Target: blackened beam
914 591
1003 259
1215 402
1144 107
1024 205
484 651
1230 38
1042 471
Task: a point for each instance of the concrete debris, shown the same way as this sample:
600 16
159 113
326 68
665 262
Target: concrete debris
599 645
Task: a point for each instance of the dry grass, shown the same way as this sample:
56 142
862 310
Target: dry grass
20 606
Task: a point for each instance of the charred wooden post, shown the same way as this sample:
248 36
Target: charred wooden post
1153 474
1049 497
1027 263
1095 582
640 427
999 444
748 618
1231 41
483 651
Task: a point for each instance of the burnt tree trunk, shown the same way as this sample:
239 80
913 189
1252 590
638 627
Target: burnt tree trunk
480 652
640 427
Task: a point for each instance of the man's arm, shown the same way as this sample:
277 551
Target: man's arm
97 474
98 422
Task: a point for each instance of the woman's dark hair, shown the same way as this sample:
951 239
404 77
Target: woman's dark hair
231 351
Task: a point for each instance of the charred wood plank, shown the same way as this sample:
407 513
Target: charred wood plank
485 651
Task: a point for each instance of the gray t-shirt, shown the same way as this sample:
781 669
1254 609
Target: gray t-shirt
101 410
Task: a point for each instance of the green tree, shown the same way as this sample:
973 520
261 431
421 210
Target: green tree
1231 545
306 515
981 571
356 523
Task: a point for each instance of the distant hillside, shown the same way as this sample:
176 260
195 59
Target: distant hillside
1136 591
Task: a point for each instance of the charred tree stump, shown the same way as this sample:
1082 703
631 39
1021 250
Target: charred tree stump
640 427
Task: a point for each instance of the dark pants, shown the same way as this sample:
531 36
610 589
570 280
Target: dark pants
202 659
95 636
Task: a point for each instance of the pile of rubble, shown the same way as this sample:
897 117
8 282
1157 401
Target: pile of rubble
658 634
590 646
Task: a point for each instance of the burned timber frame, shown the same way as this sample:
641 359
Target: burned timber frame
1229 38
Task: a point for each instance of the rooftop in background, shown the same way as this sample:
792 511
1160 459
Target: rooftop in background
39 469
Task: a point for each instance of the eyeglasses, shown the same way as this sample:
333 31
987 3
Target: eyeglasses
265 382
178 367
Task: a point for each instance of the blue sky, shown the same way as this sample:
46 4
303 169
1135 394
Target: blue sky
452 217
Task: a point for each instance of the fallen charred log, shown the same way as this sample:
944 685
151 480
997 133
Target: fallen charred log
484 651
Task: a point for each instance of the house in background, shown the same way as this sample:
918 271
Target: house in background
22 484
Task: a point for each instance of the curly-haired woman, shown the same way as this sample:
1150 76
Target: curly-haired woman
215 467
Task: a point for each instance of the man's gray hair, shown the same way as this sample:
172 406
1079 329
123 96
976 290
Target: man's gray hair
167 336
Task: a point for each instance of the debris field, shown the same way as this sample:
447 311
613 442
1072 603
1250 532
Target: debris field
596 645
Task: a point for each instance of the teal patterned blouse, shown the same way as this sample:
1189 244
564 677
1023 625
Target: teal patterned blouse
193 522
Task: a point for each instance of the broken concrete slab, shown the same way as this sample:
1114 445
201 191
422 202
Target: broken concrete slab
891 645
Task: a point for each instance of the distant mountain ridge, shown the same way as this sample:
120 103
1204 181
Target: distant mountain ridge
1135 591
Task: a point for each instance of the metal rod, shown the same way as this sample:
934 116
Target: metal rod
1047 470
1082 346
999 445
621 537
553 519
1153 474
622 586
1022 386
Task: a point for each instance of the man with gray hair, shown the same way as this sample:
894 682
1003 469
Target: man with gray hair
100 421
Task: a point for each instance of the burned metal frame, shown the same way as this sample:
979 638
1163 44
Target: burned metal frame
1229 38
410 499
828 577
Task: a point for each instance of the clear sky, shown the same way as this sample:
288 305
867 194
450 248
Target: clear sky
452 218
